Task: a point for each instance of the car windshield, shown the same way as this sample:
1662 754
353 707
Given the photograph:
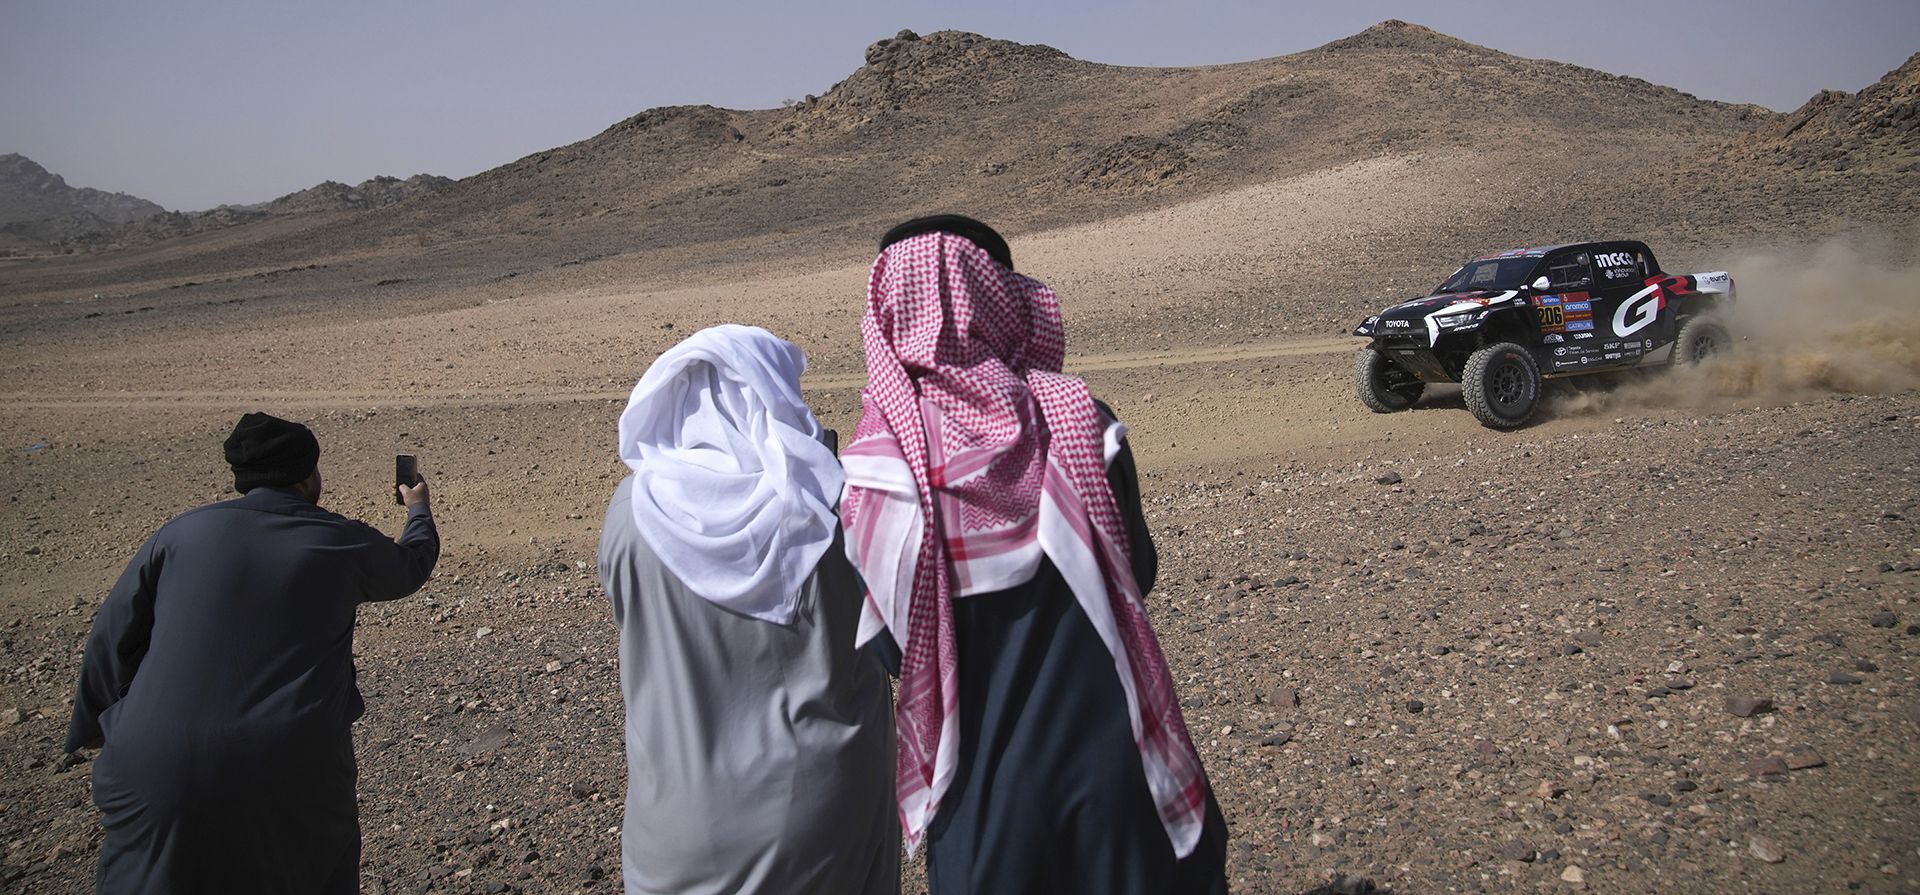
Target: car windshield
1492 273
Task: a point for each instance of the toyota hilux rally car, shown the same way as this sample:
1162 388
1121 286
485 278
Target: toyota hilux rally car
1502 323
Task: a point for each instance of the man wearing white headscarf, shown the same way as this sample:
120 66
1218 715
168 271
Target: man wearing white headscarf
759 739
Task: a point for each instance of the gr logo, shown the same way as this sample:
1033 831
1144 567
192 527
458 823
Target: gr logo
1637 312
1614 259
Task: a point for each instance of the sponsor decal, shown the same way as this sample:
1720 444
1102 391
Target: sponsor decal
1649 344
1617 273
1637 313
1548 299
1610 346
1553 337
1611 355
1613 259
1551 317
1583 327
1399 324
1714 279
1579 306
1584 335
1560 351
1586 358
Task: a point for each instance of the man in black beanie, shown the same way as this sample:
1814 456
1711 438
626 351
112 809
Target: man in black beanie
229 767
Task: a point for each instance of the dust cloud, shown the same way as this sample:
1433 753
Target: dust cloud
1835 319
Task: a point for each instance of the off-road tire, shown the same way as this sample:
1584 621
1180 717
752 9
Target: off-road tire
1382 385
1501 385
1699 338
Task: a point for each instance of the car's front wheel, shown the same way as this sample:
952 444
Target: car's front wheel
1384 386
1699 338
1501 385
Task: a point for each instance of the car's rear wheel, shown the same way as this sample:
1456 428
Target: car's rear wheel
1384 386
1700 338
1501 385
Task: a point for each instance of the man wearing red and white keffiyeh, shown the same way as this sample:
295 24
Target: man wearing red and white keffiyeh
978 468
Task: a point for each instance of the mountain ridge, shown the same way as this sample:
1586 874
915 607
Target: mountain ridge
1031 137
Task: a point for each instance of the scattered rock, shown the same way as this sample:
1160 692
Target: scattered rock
1393 478
1772 764
1748 706
1574 876
1279 739
1803 759
1518 850
488 740
1766 849
10 717
1415 706
1843 677
1884 620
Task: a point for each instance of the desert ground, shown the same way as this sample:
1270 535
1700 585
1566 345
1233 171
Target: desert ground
1417 655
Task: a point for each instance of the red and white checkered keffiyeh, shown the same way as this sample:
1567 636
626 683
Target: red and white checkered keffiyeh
974 458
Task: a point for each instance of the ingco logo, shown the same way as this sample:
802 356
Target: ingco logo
1640 309
1614 259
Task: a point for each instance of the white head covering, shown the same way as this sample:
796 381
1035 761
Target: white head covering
732 486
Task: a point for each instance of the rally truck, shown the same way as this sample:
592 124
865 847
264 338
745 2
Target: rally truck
1503 323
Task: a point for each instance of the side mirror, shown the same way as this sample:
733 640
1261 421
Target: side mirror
1540 285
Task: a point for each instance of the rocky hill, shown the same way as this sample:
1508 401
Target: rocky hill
377 192
1033 138
37 205
133 224
29 192
1877 129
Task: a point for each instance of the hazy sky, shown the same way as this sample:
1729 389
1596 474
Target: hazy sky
192 103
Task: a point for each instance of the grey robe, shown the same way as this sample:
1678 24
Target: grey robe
219 682
759 756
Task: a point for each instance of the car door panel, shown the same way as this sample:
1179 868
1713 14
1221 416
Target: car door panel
1631 316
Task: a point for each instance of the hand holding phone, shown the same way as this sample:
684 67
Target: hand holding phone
406 473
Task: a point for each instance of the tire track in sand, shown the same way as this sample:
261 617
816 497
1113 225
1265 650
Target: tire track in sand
341 400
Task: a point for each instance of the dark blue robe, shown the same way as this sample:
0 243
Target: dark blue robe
219 684
1050 796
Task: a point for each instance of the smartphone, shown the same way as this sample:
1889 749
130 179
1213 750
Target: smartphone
406 471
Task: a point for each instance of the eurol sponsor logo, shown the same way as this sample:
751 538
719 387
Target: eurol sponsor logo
1580 326
1579 306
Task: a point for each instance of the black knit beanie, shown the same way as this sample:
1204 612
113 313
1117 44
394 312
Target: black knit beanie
266 451
959 225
